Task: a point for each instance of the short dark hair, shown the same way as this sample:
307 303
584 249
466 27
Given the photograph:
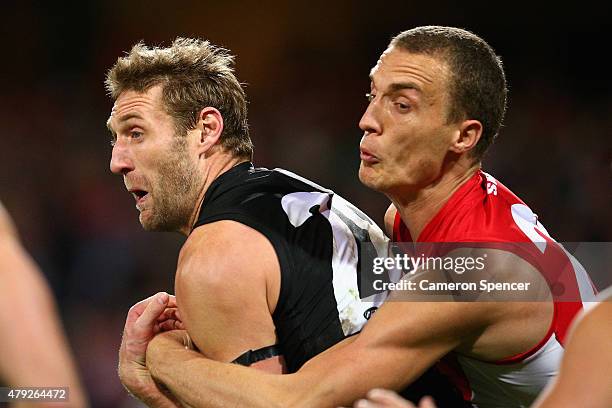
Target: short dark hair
194 74
477 85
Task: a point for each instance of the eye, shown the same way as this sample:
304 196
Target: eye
402 107
135 134
370 96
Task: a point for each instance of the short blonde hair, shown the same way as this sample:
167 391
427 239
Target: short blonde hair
194 74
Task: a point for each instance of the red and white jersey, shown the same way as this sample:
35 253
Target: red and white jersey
485 211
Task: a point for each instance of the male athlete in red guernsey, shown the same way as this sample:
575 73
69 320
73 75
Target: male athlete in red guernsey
485 211
436 103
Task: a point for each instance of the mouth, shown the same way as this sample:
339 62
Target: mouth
367 157
139 196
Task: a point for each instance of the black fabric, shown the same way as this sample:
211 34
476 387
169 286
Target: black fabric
306 317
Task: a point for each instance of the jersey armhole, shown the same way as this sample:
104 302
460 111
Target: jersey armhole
283 255
517 358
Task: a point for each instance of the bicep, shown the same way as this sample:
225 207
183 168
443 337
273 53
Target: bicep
222 292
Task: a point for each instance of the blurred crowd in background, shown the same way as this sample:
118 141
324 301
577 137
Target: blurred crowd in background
305 66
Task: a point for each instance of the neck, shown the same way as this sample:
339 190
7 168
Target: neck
213 169
417 206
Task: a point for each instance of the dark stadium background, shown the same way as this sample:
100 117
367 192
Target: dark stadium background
306 66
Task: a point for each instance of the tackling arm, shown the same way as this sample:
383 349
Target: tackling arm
399 343
390 352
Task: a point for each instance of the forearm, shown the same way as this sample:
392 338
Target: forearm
200 382
35 353
336 377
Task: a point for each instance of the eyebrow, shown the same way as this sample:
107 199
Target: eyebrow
123 118
129 116
404 85
398 86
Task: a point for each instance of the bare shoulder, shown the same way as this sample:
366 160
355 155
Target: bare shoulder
390 219
501 274
494 300
224 241
226 251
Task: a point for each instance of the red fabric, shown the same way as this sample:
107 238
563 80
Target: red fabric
481 211
449 367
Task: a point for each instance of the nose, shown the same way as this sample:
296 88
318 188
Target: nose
369 122
120 163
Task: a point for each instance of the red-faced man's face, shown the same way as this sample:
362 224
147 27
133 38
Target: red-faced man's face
155 163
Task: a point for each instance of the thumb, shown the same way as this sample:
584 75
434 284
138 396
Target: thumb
154 309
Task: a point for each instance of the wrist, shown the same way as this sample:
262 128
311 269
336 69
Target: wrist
159 352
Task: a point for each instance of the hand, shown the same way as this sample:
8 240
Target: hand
379 398
144 320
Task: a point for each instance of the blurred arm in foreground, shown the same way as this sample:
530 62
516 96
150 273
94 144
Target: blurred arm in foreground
34 352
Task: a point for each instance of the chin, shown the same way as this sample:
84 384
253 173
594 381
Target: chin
368 177
148 221
161 222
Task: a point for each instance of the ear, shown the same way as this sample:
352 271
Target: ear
210 122
468 135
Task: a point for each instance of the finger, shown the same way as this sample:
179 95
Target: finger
363 403
171 324
172 315
177 315
172 301
169 313
427 402
168 325
149 316
137 309
388 398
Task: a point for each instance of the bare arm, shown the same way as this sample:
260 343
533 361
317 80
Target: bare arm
399 343
227 285
34 352
389 353
583 379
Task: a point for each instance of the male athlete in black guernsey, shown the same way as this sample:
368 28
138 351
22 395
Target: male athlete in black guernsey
316 235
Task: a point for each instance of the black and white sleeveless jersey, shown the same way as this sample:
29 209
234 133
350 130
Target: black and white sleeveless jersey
316 235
